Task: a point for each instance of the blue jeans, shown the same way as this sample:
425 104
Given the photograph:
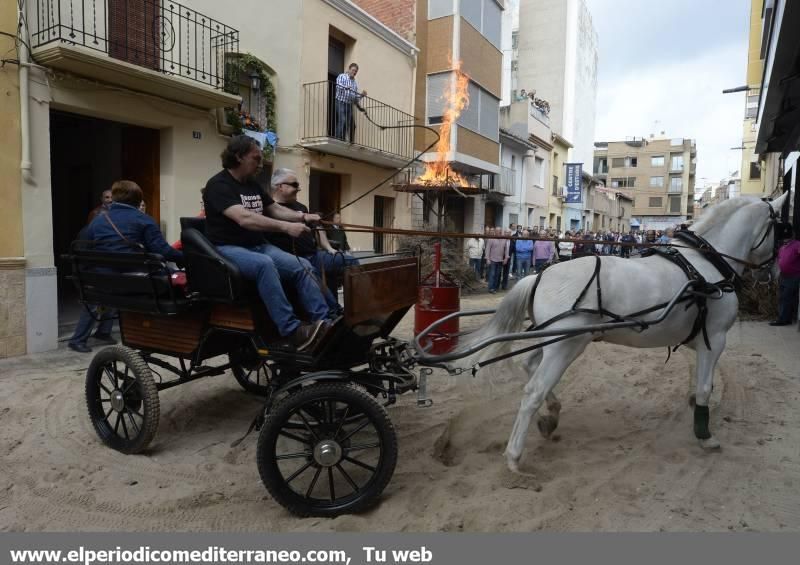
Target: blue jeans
87 321
788 294
334 266
523 266
476 266
345 122
539 264
267 265
495 272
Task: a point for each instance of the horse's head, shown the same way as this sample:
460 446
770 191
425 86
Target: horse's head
767 233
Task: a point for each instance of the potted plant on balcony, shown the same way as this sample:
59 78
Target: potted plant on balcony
259 76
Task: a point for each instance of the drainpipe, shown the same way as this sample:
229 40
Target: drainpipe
523 196
24 100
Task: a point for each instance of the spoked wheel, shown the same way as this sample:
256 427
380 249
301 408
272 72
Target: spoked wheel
254 375
122 399
326 450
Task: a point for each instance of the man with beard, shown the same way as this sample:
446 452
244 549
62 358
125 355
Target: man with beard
238 214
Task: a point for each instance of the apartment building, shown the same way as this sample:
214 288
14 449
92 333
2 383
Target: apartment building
752 179
658 173
152 92
554 54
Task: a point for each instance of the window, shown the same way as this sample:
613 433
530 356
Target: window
656 182
541 222
482 115
676 162
674 204
631 162
515 40
618 162
439 8
538 172
751 109
555 185
755 171
485 16
437 85
513 218
675 184
623 182
602 166
657 161
654 202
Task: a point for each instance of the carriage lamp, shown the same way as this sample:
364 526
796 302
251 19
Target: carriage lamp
255 86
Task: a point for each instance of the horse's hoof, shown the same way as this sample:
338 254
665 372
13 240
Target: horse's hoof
710 444
513 463
547 425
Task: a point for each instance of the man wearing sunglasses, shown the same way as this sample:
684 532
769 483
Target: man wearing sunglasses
323 257
238 215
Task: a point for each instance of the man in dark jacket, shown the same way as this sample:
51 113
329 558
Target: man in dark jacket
120 228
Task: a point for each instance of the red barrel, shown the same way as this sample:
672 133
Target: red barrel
437 296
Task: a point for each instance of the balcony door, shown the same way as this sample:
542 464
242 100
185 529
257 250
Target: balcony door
383 217
336 51
134 31
324 193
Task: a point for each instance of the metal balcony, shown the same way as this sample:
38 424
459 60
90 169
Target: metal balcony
153 46
355 131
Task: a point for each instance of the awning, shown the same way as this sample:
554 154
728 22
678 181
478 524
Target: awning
635 223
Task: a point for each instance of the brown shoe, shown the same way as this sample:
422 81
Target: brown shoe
305 334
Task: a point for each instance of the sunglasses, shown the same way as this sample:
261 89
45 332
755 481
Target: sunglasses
294 184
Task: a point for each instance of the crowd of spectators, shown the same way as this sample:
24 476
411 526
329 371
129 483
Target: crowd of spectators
515 252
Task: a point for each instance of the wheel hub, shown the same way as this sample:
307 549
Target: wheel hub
117 401
327 453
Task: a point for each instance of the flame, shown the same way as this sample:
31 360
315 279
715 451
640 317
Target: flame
438 172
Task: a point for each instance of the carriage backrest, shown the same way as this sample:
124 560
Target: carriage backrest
135 281
208 272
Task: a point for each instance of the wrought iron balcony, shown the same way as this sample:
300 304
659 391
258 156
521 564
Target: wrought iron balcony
345 130
160 36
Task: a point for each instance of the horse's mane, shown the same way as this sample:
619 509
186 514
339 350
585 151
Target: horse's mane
720 213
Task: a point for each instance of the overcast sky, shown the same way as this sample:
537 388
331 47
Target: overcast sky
663 66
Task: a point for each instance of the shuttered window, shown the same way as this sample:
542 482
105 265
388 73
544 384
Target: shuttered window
438 84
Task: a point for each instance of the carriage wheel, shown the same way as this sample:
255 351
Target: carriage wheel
122 399
326 450
254 376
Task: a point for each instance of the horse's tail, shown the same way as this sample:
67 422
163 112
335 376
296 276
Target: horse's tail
510 317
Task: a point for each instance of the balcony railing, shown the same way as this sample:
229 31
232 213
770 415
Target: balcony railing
327 121
156 34
507 181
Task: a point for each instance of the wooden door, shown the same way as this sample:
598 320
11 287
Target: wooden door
134 31
141 164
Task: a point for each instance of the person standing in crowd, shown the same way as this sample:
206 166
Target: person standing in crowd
565 248
105 203
543 253
474 250
238 214
511 268
789 285
284 188
510 251
666 237
627 242
524 253
496 258
347 98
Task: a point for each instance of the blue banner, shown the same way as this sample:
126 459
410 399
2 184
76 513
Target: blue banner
574 193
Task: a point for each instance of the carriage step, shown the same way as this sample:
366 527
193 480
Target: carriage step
422 389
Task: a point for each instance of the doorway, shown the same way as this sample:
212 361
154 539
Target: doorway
336 50
86 156
324 193
383 217
493 215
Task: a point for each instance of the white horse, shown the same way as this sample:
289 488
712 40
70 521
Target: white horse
739 228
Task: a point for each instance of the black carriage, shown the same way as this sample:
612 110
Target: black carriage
326 444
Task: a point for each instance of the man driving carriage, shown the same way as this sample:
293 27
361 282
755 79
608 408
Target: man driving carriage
238 215
323 257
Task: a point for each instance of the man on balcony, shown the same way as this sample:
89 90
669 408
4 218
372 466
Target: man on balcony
347 97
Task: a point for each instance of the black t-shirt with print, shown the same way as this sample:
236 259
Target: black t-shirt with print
304 245
224 191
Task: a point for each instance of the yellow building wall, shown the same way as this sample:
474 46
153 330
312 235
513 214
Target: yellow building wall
12 263
755 66
555 208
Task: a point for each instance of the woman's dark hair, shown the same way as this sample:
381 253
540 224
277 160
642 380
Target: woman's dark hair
237 148
126 192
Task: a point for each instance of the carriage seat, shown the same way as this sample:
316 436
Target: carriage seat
208 272
136 281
